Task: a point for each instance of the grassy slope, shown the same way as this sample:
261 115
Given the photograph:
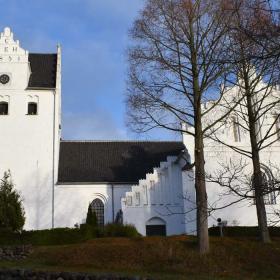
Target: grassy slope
163 258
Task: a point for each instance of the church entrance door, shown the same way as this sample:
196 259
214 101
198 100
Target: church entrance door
156 227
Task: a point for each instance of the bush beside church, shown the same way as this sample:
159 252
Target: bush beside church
12 215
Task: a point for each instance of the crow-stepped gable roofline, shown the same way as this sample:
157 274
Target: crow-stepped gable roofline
42 73
116 162
10 50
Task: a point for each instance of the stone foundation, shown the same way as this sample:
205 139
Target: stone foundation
14 253
32 275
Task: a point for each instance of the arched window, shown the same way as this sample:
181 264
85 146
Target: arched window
97 207
269 195
236 129
32 108
4 108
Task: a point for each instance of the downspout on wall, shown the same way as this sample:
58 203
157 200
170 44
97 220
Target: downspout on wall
113 204
56 128
53 163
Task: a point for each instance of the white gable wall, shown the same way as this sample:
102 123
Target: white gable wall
28 142
244 212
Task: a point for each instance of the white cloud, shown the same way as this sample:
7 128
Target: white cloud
98 126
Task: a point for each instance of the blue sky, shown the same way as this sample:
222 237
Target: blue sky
94 38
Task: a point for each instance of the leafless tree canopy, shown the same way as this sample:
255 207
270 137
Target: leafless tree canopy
169 37
177 63
254 72
185 53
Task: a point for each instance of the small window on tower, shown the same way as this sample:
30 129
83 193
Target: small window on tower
4 108
32 108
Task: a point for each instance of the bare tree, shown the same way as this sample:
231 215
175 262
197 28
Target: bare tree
177 63
253 74
265 30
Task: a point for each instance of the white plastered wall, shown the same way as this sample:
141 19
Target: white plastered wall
244 212
27 141
160 196
72 201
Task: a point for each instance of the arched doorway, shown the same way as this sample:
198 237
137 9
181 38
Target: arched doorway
156 227
97 207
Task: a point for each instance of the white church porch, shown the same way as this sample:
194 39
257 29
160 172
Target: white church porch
163 202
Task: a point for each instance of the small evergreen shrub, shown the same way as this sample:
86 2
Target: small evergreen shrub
91 217
9 237
12 214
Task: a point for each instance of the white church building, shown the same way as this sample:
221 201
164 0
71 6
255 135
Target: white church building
149 183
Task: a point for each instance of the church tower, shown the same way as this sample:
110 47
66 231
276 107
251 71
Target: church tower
30 94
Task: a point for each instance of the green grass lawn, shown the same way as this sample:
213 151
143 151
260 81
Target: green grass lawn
161 258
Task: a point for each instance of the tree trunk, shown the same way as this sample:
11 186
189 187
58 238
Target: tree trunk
200 185
258 178
261 213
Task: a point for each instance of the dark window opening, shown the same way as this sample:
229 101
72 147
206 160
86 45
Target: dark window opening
32 108
155 230
4 108
98 208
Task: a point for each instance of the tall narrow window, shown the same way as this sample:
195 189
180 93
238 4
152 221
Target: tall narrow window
153 192
137 198
97 207
277 126
236 129
32 108
129 200
145 195
4 108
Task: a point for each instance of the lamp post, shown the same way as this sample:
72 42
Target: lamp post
221 224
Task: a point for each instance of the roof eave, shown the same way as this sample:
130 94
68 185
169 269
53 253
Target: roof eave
39 88
95 183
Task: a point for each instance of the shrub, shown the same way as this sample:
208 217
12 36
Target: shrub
62 236
9 237
57 236
90 231
91 217
12 214
119 230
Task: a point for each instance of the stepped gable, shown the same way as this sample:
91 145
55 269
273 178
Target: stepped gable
43 70
112 161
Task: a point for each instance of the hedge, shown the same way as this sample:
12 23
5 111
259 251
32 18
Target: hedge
61 236
242 231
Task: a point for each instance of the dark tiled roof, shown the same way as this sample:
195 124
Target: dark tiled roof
43 70
114 162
